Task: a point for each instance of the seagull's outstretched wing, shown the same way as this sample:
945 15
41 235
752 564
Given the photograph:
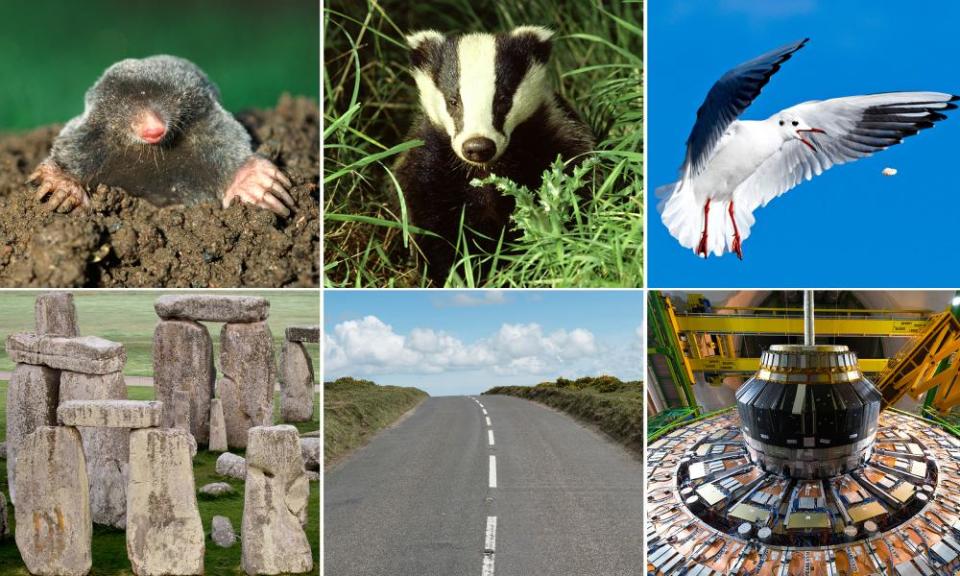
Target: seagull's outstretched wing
727 99
855 127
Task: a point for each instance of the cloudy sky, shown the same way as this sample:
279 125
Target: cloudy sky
464 342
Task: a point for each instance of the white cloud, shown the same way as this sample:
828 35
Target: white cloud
370 346
469 300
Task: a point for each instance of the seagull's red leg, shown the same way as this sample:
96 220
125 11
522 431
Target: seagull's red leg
735 246
702 247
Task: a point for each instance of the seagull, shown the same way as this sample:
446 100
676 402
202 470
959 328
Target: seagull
733 166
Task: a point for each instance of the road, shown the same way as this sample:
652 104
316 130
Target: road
425 497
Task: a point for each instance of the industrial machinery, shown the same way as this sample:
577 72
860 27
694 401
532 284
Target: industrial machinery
806 475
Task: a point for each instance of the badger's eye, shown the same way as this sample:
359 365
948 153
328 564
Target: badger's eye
454 102
795 123
781 122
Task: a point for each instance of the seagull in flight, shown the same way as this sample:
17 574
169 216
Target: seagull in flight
733 166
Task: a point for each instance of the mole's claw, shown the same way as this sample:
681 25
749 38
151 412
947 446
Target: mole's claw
260 183
64 191
282 194
43 190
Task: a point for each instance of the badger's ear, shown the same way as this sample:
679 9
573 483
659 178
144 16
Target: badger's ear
424 45
535 39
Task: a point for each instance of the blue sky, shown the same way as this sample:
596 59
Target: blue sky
850 227
464 342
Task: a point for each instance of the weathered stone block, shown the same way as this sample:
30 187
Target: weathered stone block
107 450
218 428
110 413
85 354
213 308
32 396
216 489
275 503
229 464
247 359
183 360
54 528
222 532
56 314
165 536
296 383
310 450
303 333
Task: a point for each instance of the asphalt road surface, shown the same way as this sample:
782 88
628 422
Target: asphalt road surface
445 494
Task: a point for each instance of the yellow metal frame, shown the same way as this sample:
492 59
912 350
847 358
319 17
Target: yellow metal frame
751 365
735 324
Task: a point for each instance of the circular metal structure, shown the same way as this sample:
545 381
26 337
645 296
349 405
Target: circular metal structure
808 412
898 513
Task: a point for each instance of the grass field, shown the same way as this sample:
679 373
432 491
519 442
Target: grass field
370 103
128 317
355 410
611 405
54 50
109 545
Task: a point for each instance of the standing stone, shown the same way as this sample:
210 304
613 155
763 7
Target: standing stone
32 397
56 314
54 529
218 430
296 383
246 359
183 360
165 536
275 501
181 410
107 449
222 532
4 525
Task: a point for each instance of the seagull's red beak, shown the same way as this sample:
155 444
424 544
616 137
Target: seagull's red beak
814 130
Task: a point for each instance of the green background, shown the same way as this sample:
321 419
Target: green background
51 51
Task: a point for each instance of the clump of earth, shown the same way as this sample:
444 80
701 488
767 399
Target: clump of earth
124 241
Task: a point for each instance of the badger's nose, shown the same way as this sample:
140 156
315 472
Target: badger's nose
479 149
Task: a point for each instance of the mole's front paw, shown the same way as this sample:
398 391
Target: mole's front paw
64 190
262 184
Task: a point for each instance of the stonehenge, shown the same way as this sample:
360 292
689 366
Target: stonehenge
79 452
183 361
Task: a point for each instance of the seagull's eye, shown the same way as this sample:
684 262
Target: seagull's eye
795 123
781 122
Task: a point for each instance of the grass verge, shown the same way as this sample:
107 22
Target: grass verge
355 410
613 406
596 64
110 545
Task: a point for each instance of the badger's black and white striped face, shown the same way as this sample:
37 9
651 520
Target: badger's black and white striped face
479 87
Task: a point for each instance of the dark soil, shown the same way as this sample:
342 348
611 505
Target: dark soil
126 241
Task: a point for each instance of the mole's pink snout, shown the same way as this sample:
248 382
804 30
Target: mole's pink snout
149 127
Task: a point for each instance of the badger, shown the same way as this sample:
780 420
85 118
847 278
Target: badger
487 108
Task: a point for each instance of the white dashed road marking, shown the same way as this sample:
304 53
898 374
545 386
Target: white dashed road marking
493 471
489 546
488 421
490 437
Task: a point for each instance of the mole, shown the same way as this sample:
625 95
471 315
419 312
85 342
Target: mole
155 127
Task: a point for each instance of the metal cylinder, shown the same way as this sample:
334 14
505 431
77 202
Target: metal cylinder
809 335
808 412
